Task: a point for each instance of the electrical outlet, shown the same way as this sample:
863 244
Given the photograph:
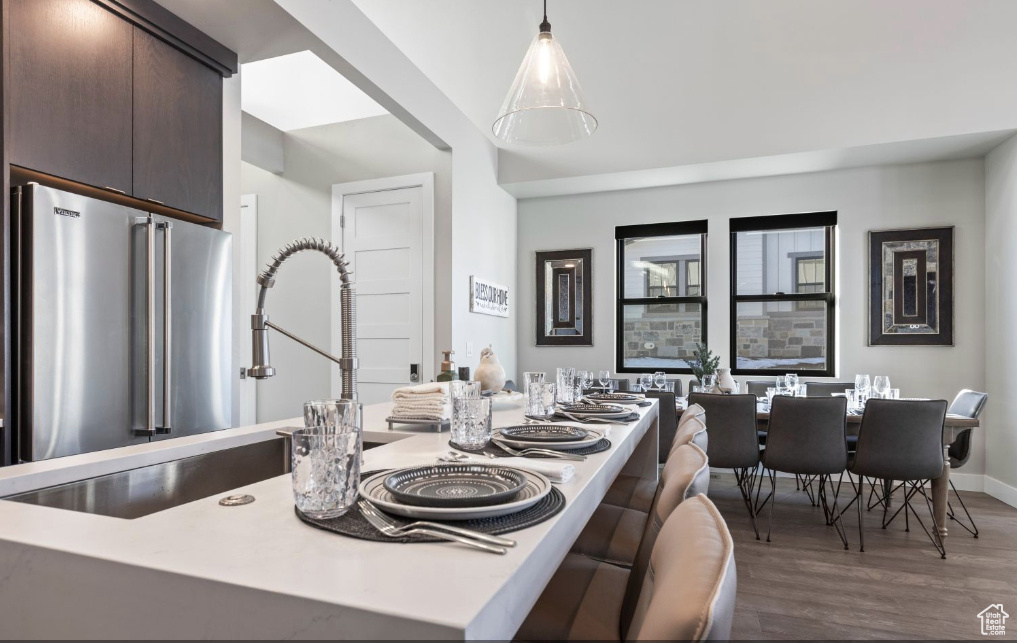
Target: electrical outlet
469 349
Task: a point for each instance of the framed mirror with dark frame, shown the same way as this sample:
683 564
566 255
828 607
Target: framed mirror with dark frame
911 287
564 298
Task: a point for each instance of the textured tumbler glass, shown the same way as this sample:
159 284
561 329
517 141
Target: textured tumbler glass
531 377
326 469
566 385
540 402
331 413
471 422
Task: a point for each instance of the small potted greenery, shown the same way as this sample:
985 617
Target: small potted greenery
703 362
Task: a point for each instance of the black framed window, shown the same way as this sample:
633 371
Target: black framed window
782 294
661 307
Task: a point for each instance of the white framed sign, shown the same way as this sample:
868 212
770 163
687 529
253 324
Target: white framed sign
488 298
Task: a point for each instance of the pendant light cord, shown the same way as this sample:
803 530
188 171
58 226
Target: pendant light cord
545 27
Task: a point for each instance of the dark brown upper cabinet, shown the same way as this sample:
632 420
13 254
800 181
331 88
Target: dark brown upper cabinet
69 89
177 129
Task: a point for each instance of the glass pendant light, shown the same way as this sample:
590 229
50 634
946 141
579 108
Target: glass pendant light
545 105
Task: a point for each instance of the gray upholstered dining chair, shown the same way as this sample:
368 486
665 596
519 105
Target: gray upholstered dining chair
969 404
637 492
734 441
688 594
617 535
826 389
901 440
758 387
806 438
667 421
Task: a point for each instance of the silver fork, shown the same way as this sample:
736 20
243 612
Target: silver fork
587 420
367 508
533 451
393 532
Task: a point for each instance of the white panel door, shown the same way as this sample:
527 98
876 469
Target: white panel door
382 239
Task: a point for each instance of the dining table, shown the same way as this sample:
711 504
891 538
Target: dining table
953 426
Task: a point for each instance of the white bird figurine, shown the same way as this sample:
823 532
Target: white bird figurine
490 373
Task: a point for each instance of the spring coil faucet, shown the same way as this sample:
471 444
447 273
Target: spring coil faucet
260 324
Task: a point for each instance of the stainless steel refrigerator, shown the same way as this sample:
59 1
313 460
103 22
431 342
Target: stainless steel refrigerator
123 325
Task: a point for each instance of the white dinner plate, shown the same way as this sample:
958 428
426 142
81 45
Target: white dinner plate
594 437
373 490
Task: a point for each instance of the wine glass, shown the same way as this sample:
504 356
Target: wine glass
605 379
645 381
659 379
791 380
780 385
862 388
881 386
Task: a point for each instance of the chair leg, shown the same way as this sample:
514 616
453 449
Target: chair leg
743 479
937 540
973 529
833 515
861 531
773 501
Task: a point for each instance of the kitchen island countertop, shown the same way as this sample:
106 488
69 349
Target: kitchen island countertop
256 571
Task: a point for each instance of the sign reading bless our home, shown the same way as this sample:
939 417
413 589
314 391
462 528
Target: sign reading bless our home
488 298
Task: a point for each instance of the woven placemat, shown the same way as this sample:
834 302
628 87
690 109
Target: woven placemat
353 523
493 449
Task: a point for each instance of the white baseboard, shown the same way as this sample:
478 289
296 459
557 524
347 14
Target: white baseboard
1001 491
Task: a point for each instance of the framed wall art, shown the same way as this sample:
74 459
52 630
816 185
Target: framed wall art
564 298
911 287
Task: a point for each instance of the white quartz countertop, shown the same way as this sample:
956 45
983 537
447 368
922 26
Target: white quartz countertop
201 569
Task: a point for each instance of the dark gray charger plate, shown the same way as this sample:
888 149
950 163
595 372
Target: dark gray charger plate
353 524
498 452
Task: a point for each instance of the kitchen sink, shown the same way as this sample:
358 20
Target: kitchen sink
139 492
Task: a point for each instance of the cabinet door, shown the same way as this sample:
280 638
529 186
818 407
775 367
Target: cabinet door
70 91
177 128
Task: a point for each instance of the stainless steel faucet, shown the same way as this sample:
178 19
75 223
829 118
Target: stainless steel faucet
260 324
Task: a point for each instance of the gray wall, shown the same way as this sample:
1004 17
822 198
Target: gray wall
297 203
1000 320
872 198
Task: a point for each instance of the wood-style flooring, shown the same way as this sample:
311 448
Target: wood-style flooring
804 585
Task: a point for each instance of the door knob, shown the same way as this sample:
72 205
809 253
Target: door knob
414 372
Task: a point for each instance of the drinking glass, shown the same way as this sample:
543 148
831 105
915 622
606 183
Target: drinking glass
331 413
880 385
584 380
471 422
659 379
862 386
852 399
645 381
463 389
780 384
709 382
531 377
540 403
791 381
669 386
770 392
326 469
803 390
893 394
566 388
605 380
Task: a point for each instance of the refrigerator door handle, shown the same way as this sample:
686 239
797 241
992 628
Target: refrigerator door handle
149 429
167 335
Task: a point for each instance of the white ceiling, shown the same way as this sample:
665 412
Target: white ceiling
676 83
300 90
